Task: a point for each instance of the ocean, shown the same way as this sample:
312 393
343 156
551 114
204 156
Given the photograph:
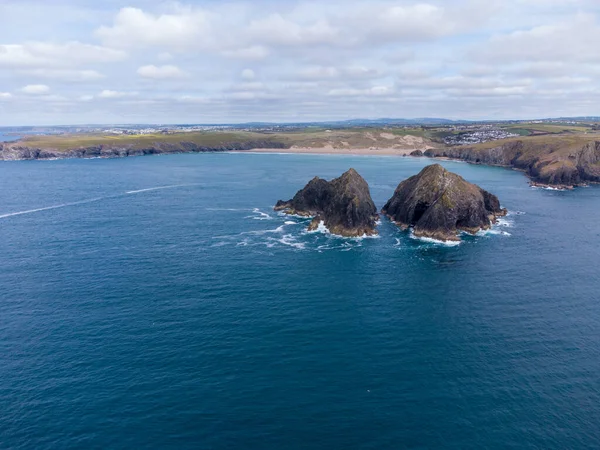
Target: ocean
159 302
8 137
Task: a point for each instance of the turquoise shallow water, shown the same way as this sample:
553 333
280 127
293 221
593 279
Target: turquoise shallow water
192 316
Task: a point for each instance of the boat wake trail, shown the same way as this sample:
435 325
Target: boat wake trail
160 188
91 200
47 208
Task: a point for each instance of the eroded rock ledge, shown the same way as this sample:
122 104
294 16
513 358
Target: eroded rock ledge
344 205
561 163
438 204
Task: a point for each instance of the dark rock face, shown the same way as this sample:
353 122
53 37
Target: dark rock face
416 153
548 163
438 204
308 202
18 151
344 205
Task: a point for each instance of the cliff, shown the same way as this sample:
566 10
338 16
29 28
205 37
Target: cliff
20 151
438 204
344 205
562 162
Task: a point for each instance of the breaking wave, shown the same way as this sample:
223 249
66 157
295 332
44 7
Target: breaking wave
429 240
290 233
259 215
492 232
503 222
321 228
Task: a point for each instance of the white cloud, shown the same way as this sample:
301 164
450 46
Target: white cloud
5 95
52 98
275 29
361 72
47 55
253 32
372 91
347 73
255 52
574 39
300 59
193 99
250 86
242 95
406 23
35 89
107 93
399 56
65 74
134 27
248 74
161 72
250 95
318 72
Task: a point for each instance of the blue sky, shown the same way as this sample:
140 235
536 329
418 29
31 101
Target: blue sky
70 62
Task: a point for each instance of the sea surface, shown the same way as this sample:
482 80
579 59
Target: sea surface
8 137
159 302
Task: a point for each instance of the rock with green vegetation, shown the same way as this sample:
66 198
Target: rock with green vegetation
344 205
439 204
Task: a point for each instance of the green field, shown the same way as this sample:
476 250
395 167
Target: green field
527 129
554 143
69 141
309 137
313 137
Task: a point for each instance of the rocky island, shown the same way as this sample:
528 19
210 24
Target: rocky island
344 205
438 204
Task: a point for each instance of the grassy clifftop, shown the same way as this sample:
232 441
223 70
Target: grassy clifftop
313 138
564 160
73 141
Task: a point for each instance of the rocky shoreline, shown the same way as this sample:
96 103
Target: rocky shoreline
17 151
548 165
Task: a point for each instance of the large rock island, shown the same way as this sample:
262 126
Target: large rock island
438 204
344 205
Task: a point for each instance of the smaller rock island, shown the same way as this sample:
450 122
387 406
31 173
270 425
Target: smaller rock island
344 205
438 204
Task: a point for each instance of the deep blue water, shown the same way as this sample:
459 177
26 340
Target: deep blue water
194 317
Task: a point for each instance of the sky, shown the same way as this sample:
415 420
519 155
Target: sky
208 61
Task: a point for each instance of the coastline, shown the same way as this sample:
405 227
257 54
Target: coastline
15 152
404 153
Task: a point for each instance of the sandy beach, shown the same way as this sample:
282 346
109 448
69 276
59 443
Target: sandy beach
337 151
